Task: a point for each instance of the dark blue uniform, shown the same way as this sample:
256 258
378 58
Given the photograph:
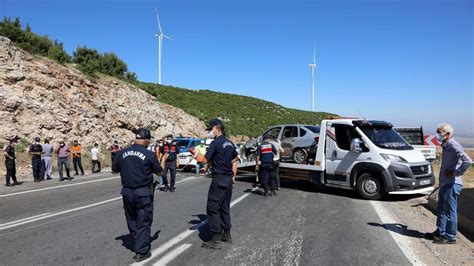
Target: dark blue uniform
170 164
136 165
10 164
36 161
266 151
221 152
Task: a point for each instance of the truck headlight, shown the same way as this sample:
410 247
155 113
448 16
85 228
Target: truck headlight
393 158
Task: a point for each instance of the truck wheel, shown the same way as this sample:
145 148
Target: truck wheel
300 156
369 187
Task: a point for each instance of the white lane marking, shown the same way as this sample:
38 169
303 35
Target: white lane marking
61 186
57 213
172 255
49 215
402 241
24 219
183 235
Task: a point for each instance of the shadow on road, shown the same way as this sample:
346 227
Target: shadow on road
128 242
403 230
314 188
201 226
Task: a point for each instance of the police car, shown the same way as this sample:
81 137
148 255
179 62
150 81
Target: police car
185 156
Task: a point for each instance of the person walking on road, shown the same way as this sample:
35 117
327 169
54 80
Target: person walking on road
9 153
454 163
221 157
63 152
76 158
46 163
276 160
171 163
199 153
35 152
136 165
265 154
95 158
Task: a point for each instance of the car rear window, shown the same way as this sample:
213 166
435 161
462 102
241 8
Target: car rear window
314 129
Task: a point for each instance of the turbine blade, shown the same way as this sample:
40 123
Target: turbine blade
158 19
167 37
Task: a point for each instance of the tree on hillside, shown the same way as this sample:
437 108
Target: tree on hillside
87 59
111 65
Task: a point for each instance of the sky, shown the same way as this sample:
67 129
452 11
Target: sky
407 61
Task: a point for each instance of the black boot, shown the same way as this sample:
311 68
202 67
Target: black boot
214 243
226 237
265 193
273 192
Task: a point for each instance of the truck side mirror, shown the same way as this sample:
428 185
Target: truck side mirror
356 145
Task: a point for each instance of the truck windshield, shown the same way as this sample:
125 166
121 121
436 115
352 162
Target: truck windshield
386 138
182 144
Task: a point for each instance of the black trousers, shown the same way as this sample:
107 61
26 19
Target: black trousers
36 164
171 167
138 206
218 203
11 171
267 175
94 163
77 164
276 166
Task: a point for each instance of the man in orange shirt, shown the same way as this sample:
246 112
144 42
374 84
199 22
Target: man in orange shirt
76 157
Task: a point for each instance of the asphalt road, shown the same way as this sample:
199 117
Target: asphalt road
81 222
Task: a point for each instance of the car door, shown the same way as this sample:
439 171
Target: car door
339 158
288 140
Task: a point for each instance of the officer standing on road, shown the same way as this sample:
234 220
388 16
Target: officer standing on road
171 162
265 154
136 165
222 160
9 153
35 151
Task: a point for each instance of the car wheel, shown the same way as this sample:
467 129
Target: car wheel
369 187
300 156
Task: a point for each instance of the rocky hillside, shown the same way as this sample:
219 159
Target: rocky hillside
39 97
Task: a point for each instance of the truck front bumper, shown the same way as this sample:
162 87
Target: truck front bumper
409 178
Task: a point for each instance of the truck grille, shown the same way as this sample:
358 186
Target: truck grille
420 169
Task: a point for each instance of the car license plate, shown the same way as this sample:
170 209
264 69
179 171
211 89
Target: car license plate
425 182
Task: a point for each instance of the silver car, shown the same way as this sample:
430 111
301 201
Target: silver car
295 139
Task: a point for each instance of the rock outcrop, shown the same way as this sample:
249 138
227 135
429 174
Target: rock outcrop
39 97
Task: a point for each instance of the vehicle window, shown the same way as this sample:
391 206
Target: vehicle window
290 132
182 144
314 129
386 138
344 136
414 137
302 132
273 132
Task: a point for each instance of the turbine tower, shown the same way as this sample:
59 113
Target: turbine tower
160 35
313 72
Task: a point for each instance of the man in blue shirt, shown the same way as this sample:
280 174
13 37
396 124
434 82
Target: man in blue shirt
136 165
221 158
454 162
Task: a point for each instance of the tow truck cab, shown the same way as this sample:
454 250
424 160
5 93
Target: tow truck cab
371 157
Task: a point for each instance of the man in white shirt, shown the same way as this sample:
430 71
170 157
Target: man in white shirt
95 158
276 160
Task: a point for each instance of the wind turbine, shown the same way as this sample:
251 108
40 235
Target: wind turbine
314 70
160 35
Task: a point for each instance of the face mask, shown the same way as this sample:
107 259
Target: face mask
210 134
62 145
439 137
169 141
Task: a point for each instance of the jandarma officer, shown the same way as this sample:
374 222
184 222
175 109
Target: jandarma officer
222 160
136 165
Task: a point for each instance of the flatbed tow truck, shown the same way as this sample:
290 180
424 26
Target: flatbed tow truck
364 155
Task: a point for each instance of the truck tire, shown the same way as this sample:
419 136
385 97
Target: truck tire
370 187
300 156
